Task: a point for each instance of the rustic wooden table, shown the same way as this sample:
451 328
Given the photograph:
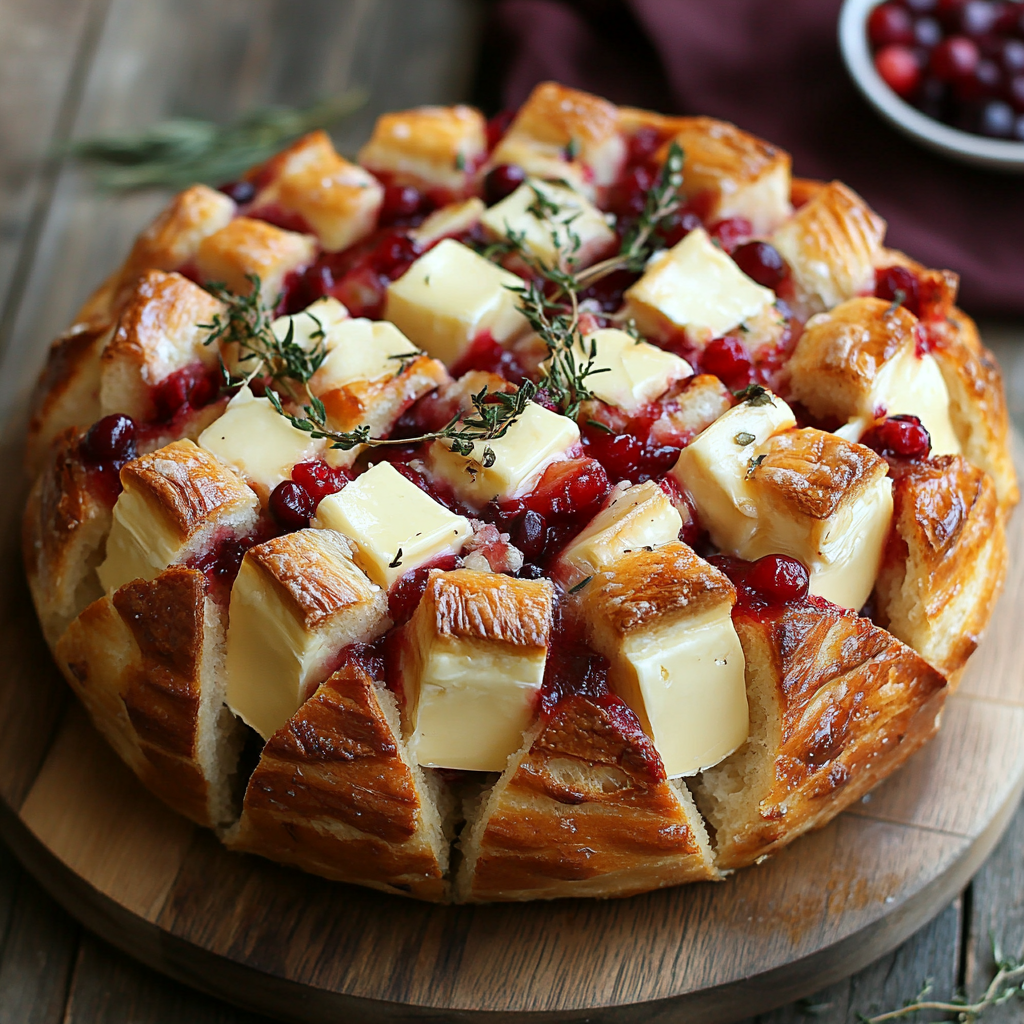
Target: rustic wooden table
81 67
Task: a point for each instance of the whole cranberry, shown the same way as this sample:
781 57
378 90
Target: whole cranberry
731 231
890 280
678 225
529 534
779 579
903 437
927 32
997 119
643 145
394 254
629 196
978 17
291 505
890 23
241 191
921 6
110 440
400 203
529 571
898 67
761 262
955 57
1016 93
728 359
502 181
949 12
1012 56
318 479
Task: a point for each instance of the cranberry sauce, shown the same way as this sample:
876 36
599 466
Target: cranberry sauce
490 356
223 556
407 590
293 502
767 585
899 437
192 387
106 446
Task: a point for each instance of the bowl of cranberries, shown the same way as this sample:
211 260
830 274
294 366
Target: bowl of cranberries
949 73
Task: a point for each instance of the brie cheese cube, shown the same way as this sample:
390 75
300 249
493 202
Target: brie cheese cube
694 286
536 439
452 219
641 516
363 350
258 442
663 619
912 384
548 218
449 297
174 502
297 602
394 526
628 373
827 502
715 468
316 323
473 667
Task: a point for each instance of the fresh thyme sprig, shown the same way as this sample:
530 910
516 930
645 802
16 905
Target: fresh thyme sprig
1007 983
182 151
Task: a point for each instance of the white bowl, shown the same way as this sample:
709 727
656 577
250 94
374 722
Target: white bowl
971 149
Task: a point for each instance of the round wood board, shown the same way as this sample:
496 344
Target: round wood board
278 941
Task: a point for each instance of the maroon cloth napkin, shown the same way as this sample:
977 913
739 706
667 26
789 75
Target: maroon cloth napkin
774 69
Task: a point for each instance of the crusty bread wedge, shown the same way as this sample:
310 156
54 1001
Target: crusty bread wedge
336 794
148 664
945 562
836 705
584 809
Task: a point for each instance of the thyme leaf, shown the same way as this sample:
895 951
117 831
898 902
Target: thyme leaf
755 394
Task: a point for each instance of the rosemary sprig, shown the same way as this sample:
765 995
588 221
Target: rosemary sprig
185 150
1007 983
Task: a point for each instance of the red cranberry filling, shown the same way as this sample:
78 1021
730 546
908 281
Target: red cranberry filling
902 437
890 23
110 440
241 191
401 204
502 181
625 457
408 589
572 668
195 386
488 355
643 145
761 262
770 582
899 282
318 479
291 505
731 231
221 562
728 359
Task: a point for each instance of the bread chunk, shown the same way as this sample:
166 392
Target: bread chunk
175 504
977 401
662 619
584 809
148 664
473 658
335 199
693 409
162 328
336 794
564 134
860 361
451 219
945 563
937 289
836 705
66 520
68 391
431 148
173 239
450 297
246 247
743 175
831 245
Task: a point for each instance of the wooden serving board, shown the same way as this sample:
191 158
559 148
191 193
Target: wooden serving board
275 940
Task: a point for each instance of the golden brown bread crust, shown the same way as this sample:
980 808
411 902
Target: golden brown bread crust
63 528
487 606
584 810
643 587
334 795
945 562
187 485
813 472
837 704
977 401
137 662
160 330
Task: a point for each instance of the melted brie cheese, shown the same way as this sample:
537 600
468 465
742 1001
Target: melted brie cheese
715 469
394 525
628 373
258 442
535 440
686 684
141 543
549 220
363 350
469 701
317 322
637 517
449 297
696 287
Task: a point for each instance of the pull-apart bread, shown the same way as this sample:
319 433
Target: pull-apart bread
567 504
